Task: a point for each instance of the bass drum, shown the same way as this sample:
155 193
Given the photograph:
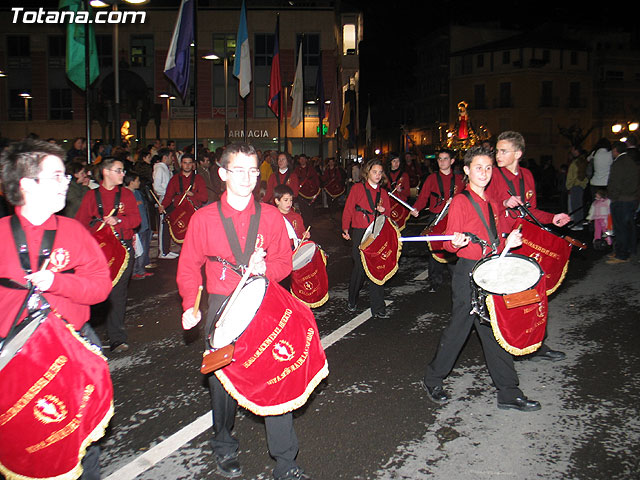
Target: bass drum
509 293
309 279
380 250
116 252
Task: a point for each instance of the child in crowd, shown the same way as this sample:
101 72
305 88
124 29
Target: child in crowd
600 215
283 197
132 182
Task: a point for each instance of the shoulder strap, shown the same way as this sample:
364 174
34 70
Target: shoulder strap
512 189
23 250
492 231
241 256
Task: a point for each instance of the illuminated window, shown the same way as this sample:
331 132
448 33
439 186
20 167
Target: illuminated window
349 39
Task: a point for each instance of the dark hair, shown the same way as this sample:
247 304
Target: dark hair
364 172
235 149
516 139
105 164
477 151
129 177
281 190
75 167
188 155
163 152
448 152
619 146
23 160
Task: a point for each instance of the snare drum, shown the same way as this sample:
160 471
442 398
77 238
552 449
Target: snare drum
309 280
278 359
510 293
380 250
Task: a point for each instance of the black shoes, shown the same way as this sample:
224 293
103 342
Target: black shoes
551 355
352 308
382 315
293 474
229 466
436 394
520 403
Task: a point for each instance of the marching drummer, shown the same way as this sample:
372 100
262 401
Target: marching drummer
187 183
115 206
437 189
76 275
473 216
365 202
223 236
282 175
512 186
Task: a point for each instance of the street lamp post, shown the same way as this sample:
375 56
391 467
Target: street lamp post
26 96
168 97
225 62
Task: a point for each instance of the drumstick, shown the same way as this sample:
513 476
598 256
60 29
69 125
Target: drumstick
428 238
404 204
507 248
154 197
103 222
185 194
300 243
196 305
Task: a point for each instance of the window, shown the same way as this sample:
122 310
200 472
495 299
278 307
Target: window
505 95
142 51
224 44
506 57
349 39
263 56
574 58
18 52
104 45
479 99
60 104
574 95
310 63
57 51
480 60
546 94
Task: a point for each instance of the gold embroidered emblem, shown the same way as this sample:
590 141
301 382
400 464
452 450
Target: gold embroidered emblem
283 351
59 259
259 241
529 194
50 409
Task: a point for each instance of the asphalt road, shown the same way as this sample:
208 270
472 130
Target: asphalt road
370 419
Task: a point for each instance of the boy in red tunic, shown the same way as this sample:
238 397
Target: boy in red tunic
513 185
283 197
77 276
437 189
488 228
268 253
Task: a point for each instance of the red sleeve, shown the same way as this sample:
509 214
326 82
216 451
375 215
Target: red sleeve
271 184
88 209
294 183
172 190
350 206
130 214
424 195
200 195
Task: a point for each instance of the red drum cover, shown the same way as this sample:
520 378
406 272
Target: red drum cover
115 252
178 220
399 213
334 188
519 330
437 247
380 257
278 360
550 251
310 282
56 399
309 190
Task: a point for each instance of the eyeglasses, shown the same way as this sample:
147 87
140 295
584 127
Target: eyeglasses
504 152
241 172
60 178
117 170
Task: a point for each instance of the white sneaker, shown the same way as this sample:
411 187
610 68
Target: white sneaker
168 256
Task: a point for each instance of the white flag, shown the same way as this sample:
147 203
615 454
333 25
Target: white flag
242 62
297 94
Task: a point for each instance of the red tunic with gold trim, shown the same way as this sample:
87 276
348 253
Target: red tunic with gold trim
128 210
463 218
199 189
498 190
309 180
430 193
295 219
279 178
81 275
357 201
206 238
399 181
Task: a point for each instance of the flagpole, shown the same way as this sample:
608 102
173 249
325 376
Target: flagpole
87 59
195 80
286 109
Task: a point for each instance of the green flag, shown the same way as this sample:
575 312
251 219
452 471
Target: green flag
75 46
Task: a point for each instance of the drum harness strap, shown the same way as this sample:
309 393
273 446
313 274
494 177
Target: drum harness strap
116 204
452 188
241 256
34 302
512 191
286 177
491 227
372 204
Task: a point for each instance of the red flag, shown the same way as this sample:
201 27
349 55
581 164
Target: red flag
275 84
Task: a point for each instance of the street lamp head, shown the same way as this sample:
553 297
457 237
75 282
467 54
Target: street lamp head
211 56
26 95
617 128
633 126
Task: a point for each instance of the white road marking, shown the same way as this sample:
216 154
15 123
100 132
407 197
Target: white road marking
165 448
423 276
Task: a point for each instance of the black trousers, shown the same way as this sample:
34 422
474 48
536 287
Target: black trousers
358 277
306 210
117 303
281 436
499 361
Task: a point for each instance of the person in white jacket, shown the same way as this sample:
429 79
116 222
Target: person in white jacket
601 159
161 176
